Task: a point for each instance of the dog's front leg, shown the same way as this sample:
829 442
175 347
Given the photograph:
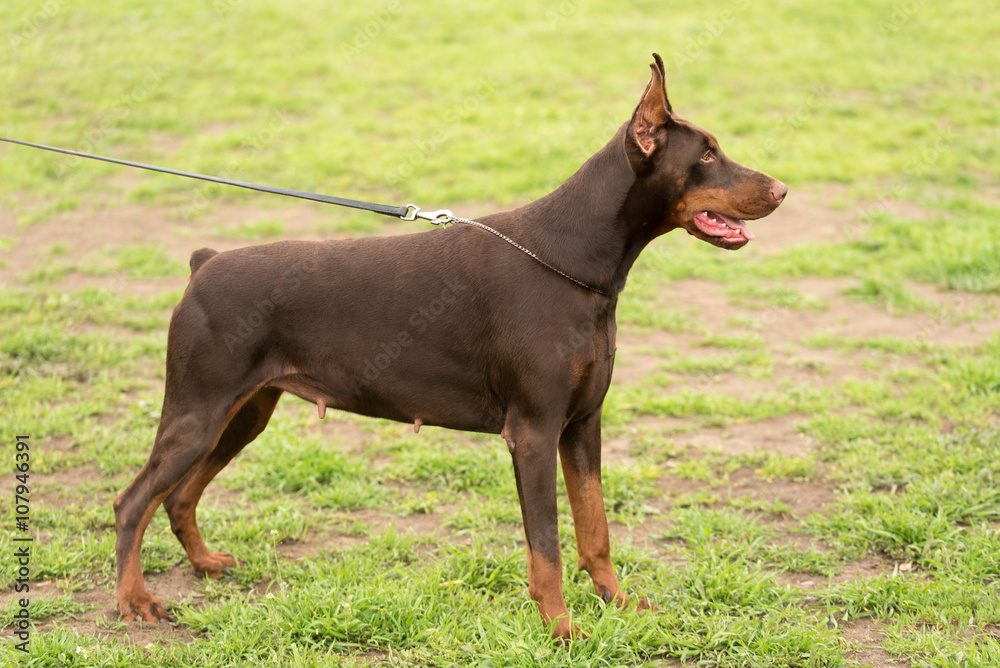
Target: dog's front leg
580 453
533 450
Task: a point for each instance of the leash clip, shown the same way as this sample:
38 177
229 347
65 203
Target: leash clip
443 217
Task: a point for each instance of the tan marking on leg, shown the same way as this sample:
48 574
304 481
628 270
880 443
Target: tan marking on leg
593 543
133 599
545 587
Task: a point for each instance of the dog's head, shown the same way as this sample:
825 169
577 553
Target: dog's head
706 193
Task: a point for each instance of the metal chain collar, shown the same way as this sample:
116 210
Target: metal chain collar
445 217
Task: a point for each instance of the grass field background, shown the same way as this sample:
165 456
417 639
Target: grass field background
802 439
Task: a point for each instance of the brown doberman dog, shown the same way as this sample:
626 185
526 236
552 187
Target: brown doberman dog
456 328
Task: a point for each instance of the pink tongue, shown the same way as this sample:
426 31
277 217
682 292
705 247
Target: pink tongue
733 224
743 226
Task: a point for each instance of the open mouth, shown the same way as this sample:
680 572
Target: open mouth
721 230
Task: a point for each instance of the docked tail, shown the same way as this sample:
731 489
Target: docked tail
199 257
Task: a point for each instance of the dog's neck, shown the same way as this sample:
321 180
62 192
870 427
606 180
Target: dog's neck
594 225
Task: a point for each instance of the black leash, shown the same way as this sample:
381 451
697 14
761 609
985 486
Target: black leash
384 209
442 217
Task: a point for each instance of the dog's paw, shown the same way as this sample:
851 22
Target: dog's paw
144 608
566 632
645 605
623 600
215 565
641 603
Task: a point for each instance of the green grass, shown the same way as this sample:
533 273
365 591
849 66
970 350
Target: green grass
754 362
763 296
891 295
436 108
745 341
254 231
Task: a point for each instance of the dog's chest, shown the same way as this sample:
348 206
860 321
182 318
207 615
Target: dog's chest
591 366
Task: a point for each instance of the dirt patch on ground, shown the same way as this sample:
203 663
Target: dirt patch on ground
803 498
797 500
50 488
866 635
100 618
871 566
778 434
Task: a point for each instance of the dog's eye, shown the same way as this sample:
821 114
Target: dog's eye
708 157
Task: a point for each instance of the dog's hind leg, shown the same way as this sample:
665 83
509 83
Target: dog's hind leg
187 433
182 503
580 453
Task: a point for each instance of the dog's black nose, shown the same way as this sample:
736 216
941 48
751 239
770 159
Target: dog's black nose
778 191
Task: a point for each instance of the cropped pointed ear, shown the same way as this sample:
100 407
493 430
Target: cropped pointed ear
647 130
